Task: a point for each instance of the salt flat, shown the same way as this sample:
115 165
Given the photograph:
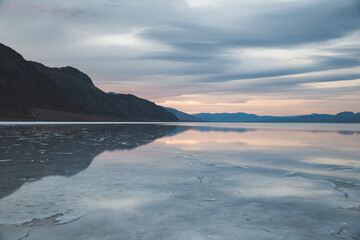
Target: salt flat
179 181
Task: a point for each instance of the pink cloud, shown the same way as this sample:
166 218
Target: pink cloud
53 11
7 8
43 10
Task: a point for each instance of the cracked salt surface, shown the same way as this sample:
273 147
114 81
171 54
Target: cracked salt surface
192 181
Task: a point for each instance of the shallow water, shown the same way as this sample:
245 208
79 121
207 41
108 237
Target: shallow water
180 181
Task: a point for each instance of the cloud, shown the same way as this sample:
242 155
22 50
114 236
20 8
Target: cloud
296 23
163 49
321 65
52 11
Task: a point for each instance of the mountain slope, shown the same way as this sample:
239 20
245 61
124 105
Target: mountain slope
80 87
343 117
32 91
23 89
183 116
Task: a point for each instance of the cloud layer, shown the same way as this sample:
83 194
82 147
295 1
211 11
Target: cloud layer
265 56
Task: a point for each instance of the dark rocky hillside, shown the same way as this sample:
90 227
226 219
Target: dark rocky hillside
23 89
32 91
183 116
79 86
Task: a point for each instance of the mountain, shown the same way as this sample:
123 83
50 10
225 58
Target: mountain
80 87
32 91
183 116
23 89
227 117
343 117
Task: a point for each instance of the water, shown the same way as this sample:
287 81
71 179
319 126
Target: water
179 181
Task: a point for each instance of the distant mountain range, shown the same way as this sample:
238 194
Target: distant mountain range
343 117
32 91
183 116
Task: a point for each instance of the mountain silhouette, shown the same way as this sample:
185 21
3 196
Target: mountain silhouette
80 87
32 91
183 116
23 89
343 117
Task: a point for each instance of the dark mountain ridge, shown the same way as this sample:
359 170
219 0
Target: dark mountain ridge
32 91
183 116
343 117
80 87
23 89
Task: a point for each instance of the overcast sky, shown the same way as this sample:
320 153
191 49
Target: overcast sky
278 57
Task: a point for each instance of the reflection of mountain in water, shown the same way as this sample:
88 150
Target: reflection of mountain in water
348 132
180 129
29 153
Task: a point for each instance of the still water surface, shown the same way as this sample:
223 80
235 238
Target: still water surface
180 181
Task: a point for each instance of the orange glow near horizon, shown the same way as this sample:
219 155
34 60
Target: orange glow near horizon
260 105
275 105
266 107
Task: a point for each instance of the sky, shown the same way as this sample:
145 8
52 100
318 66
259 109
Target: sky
268 57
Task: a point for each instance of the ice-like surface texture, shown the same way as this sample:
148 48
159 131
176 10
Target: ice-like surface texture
184 181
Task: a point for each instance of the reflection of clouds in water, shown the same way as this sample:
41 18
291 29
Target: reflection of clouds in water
191 137
258 139
168 197
333 161
170 191
172 141
133 200
265 186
